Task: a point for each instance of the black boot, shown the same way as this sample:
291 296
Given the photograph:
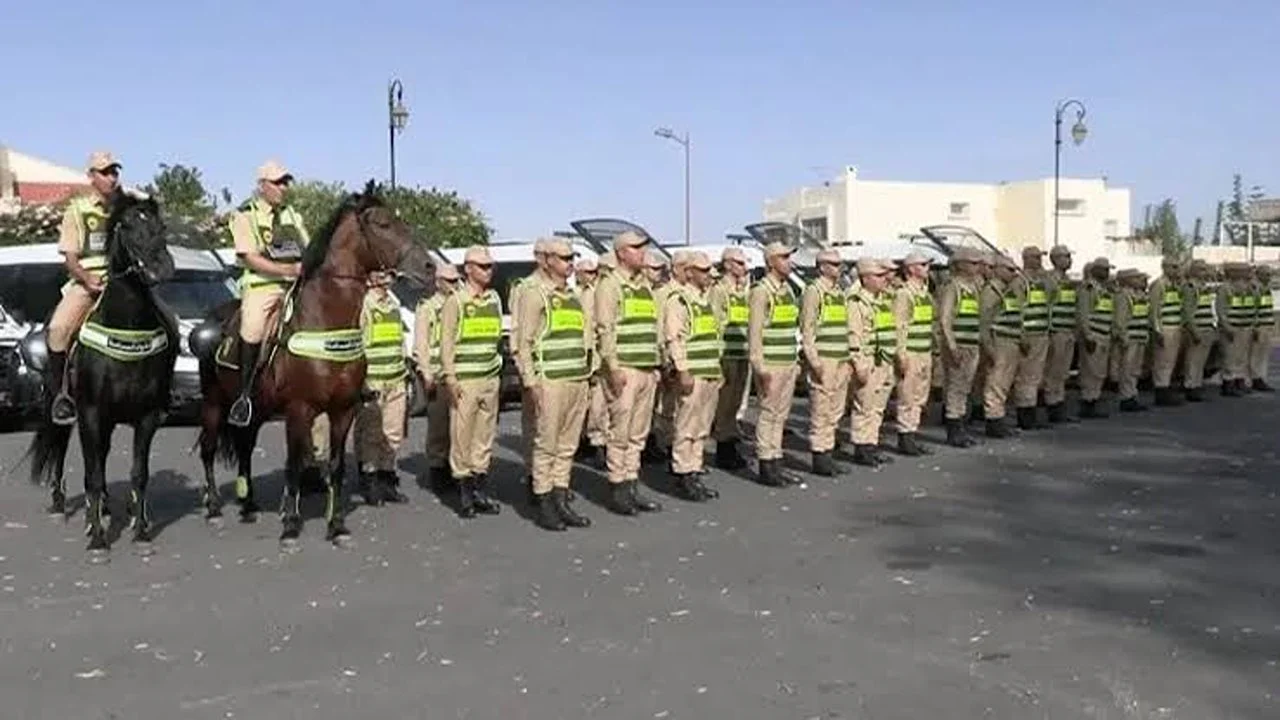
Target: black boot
1130 405
823 465
997 428
1195 395
641 503
865 455
1228 389
956 436
620 500
389 483
728 457
707 493
909 445
768 474
242 409
560 499
1027 418
441 478
466 497
484 502
687 487
1261 385
1176 396
1243 387
1164 398
546 514
652 452
62 409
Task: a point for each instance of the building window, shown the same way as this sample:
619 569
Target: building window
817 227
958 211
1070 206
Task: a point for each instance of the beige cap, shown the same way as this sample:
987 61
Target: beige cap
102 159
478 254
447 271
733 253
273 171
1059 251
1032 251
1126 274
1263 270
698 260
916 258
587 265
966 254
540 245
561 248
872 266
630 238
609 260
680 258
654 260
777 248
829 256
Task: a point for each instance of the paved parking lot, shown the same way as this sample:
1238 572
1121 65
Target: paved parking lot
1121 569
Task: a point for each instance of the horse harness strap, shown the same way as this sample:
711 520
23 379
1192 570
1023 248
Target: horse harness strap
123 345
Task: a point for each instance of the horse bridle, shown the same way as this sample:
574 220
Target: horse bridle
368 248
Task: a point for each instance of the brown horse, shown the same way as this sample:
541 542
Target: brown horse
316 366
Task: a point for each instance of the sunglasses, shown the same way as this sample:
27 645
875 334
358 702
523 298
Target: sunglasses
109 172
482 266
566 258
281 183
830 263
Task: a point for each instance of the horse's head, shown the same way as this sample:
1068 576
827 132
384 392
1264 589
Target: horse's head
373 238
136 242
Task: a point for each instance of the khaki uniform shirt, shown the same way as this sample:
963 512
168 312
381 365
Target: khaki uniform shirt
948 299
810 312
531 318
862 323
449 322
71 233
1121 315
718 295
904 305
608 304
675 326
758 308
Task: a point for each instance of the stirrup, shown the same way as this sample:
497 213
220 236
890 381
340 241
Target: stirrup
241 413
62 401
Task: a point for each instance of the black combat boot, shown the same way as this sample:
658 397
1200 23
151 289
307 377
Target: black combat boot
956 436
684 483
62 409
560 499
642 503
1195 395
441 478
1261 385
620 500
1027 418
769 473
241 413
1164 398
823 465
998 428
1243 387
652 452
1229 389
866 456
1131 405
1177 396
728 457
389 484
909 445
484 502
546 514
466 497
707 493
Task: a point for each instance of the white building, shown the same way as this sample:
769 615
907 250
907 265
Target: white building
1093 219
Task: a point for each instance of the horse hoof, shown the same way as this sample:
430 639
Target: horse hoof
98 556
343 541
144 548
290 545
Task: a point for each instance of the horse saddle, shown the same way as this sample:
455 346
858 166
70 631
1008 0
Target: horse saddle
227 321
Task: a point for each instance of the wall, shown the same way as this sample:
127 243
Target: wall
882 210
1022 208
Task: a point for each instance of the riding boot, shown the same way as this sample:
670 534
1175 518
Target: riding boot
728 457
823 465
241 413
1261 385
865 455
909 445
484 503
620 500
641 503
63 409
706 492
560 500
685 485
546 514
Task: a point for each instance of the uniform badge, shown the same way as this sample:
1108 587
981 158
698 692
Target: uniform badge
91 222
471 310
556 303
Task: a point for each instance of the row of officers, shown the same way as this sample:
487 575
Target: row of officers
627 352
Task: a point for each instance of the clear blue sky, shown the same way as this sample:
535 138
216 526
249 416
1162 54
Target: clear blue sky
543 112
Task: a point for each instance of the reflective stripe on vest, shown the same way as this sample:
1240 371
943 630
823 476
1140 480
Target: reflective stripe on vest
1102 314
1139 327
1171 309
479 331
1062 317
779 338
735 327
884 328
831 336
1035 313
968 320
920 331
92 218
637 329
281 241
1008 322
702 349
561 350
384 345
1204 310
1241 309
1266 305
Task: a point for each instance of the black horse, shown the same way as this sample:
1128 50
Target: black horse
120 371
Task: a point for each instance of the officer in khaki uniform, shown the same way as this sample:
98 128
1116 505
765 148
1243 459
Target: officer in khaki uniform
553 355
1130 336
914 315
595 429
269 237
1062 335
528 419
1198 318
1237 309
873 336
691 335
82 240
1036 311
773 319
1166 299
959 326
663 278
1095 323
1264 331
470 330
824 339
729 299
426 356
626 317
1001 329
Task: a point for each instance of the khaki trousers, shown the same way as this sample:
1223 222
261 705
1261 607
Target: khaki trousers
730 399
913 391
559 428
1057 367
775 407
438 429
528 428
1194 359
68 316
826 403
664 411
1030 372
473 422
1093 370
692 426
630 418
596 427
1002 367
1128 367
259 311
871 393
1235 354
1260 355
1164 357
960 371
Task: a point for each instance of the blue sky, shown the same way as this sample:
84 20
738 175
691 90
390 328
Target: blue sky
544 112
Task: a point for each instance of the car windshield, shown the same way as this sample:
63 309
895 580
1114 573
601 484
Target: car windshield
193 294
949 237
30 291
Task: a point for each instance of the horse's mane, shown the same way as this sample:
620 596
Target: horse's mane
318 249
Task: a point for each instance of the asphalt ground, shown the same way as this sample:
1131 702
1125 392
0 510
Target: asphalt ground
1121 568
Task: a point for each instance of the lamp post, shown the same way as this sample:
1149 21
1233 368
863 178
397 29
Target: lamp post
1078 134
669 134
397 118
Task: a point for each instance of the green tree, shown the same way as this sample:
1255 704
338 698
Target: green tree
180 191
1164 230
438 218
315 201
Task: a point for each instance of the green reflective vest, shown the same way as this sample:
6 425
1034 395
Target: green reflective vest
1266 306
702 349
967 323
383 342
637 327
1102 314
920 330
1204 314
279 235
884 326
1008 320
1139 327
1242 308
476 354
779 346
1035 312
91 215
736 316
560 352
1062 316
831 336
1171 308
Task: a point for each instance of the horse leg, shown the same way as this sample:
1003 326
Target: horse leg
336 507
298 438
95 445
210 421
246 439
139 511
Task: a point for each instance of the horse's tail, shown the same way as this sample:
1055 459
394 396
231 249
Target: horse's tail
48 448
223 436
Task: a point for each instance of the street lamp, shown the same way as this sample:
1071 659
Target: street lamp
397 118
669 134
1078 134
